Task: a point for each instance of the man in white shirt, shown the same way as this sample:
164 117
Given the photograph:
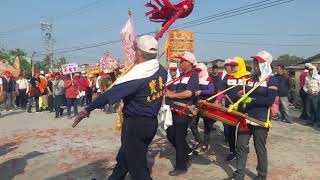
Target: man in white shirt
22 91
312 87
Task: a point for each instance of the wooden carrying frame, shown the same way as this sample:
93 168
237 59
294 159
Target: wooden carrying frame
219 113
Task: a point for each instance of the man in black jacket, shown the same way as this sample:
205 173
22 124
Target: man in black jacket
283 91
34 91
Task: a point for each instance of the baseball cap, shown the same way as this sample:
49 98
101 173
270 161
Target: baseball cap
263 56
307 65
188 56
7 72
148 44
231 62
47 75
173 66
36 71
41 72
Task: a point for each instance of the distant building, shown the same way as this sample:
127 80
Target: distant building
315 60
218 62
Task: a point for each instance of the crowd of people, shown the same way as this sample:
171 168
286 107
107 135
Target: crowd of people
54 92
143 88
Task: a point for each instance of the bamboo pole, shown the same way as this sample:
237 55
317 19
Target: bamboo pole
216 95
235 105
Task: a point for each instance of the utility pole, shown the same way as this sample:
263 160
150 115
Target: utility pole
32 64
46 32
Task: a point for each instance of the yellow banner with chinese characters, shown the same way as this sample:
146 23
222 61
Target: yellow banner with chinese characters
156 88
178 42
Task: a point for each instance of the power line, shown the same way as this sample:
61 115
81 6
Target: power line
222 15
255 34
261 44
95 45
104 28
232 14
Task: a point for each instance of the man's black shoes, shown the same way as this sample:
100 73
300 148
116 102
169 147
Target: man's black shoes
177 172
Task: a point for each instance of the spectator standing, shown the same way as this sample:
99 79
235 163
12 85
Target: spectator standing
292 92
1 93
34 91
312 87
216 79
72 91
302 93
50 91
84 88
91 89
283 91
43 99
22 91
59 94
98 83
8 89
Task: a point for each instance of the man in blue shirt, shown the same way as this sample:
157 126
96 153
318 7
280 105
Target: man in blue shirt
142 92
184 93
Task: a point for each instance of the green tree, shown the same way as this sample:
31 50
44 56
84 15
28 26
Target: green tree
60 62
43 65
10 55
3 54
290 57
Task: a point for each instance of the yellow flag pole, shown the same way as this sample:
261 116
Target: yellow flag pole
235 105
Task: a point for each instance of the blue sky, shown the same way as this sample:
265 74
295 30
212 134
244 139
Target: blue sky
76 24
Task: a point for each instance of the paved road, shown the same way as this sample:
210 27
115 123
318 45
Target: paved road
37 146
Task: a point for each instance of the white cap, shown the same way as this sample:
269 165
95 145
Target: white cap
307 65
47 75
91 75
173 66
41 72
263 56
83 72
148 44
188 56
230 61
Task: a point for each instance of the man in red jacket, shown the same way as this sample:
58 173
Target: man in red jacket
72 86
84 86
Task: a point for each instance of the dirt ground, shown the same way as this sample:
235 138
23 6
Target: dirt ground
37 146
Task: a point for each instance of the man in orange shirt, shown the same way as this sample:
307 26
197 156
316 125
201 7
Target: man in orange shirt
43 99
